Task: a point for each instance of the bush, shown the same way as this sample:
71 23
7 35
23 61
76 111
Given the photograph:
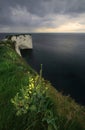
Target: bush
33 101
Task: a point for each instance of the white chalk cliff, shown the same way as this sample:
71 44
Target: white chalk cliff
22 42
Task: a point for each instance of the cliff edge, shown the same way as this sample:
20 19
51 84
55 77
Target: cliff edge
40 110
21 41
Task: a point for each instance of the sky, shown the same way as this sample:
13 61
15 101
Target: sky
42 16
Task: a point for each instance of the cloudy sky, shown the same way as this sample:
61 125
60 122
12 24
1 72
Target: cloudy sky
42 16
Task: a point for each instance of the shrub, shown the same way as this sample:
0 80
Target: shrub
34 102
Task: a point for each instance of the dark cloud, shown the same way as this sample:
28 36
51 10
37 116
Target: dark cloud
5 17
38 10
75 6
43 7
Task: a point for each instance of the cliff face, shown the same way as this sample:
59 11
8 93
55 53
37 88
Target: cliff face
22 42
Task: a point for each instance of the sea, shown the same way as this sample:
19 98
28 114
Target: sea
62 56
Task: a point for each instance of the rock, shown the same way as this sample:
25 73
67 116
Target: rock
22 42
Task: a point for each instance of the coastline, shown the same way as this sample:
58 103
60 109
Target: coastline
14 75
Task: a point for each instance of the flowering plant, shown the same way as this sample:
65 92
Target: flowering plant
33 100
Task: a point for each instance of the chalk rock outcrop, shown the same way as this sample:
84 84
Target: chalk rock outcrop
22 42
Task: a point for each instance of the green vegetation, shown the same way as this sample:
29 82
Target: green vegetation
34 101
28 102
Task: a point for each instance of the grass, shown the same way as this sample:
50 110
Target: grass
14 75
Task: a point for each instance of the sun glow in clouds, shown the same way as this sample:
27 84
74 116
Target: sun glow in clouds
45 16
65 24
50 23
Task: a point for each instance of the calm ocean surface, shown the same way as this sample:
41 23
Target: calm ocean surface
63 59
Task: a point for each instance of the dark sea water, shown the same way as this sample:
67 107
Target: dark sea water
63 59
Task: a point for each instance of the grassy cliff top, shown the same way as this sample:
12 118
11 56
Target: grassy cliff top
14 75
